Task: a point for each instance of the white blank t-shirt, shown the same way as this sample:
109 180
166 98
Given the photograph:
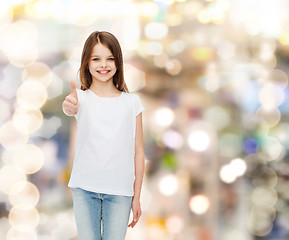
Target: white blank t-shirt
105 149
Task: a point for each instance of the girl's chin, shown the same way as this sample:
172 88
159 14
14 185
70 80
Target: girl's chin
102 79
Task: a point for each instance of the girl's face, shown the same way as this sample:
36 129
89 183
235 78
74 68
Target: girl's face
101 64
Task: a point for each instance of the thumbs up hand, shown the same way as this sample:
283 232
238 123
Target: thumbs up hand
70 104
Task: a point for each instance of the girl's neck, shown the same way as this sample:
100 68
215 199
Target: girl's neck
104 89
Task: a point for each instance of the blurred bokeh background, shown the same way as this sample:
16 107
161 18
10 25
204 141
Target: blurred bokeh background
213 78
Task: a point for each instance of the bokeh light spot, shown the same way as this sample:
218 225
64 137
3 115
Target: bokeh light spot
10 137
29 158
164 116
168 185
24 192
24 216
199 140
199 204
10 175
31 95
250 145
27 121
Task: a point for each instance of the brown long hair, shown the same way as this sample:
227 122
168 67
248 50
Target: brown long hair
111 42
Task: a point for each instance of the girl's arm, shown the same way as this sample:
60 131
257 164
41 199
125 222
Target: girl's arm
139 171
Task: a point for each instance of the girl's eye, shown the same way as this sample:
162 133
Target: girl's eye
97 59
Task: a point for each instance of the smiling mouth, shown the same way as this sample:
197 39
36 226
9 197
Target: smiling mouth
104 72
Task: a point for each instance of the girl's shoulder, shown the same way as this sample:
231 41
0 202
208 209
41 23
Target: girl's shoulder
131 94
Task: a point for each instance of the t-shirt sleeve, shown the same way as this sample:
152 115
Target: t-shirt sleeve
80 97
138 106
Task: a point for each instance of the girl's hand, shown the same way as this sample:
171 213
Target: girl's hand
136 210
70 104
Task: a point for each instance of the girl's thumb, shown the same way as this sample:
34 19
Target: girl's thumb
73 89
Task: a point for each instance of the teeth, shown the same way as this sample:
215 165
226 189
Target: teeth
103 71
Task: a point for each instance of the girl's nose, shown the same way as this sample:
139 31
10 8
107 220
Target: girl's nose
103 63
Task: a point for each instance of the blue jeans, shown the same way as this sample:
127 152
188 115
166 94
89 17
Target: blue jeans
100 216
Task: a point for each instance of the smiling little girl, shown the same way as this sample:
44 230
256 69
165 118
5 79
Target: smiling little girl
108 166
